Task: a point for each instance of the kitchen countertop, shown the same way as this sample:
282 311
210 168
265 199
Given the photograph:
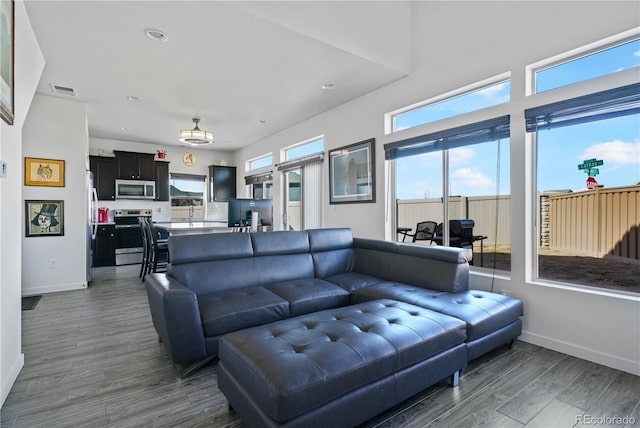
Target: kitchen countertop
185 227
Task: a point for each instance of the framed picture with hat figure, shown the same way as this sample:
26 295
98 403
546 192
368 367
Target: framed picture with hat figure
44 218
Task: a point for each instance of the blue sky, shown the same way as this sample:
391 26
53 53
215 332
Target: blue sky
474 170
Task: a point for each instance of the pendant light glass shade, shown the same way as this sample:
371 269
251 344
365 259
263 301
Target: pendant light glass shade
195 136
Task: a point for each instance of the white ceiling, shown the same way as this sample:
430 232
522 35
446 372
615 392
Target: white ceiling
229 63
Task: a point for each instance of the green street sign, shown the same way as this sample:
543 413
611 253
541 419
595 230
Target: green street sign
592 172
590 163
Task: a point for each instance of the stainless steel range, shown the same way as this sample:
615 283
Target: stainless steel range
128 237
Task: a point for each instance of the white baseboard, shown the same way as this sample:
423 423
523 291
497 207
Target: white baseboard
578 351
7 383
31 291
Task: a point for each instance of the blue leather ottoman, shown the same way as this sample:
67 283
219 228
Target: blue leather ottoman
338 367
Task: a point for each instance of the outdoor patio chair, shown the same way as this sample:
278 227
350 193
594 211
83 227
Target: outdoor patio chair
424 231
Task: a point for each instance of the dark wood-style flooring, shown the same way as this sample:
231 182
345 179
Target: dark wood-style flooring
92 359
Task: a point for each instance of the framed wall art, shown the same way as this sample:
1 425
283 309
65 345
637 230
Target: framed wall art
6 60
352 173
43 172
44 218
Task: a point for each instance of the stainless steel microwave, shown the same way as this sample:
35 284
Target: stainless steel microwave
135 189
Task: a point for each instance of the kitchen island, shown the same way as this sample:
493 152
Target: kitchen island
193 227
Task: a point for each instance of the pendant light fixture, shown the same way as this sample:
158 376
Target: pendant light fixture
195 136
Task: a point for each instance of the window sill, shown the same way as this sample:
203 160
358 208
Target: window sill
604 292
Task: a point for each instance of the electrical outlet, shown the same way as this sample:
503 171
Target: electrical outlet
53 263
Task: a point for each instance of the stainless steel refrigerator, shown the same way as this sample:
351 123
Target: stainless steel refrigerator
92 220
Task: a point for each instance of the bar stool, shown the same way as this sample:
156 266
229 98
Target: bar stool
158 255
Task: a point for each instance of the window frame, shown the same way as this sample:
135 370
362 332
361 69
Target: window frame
284 152
188 177
532 201
574 54
390 117
249 163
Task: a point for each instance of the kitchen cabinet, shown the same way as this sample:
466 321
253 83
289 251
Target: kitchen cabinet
104 250
104 174
138 166
162 181
222 183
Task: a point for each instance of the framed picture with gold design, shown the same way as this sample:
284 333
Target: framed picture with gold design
43 172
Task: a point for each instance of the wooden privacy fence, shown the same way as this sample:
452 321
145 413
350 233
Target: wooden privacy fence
594 222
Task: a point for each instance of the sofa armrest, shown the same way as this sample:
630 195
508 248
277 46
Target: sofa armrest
436 268
176 318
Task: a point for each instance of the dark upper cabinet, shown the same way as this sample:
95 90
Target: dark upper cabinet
222 183
162 181
138 166
105 172
104 250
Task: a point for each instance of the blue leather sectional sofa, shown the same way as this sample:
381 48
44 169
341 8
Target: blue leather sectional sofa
380 321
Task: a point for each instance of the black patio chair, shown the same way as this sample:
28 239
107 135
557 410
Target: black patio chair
424 231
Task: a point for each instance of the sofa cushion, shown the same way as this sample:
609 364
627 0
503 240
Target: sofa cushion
283 242
483 312
332 251
310 295
334 262
240 308
221 275
207 247
329 239
392 290
295 365
352 281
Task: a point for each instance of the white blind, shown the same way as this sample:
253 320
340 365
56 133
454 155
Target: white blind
312 195
615 102
474 133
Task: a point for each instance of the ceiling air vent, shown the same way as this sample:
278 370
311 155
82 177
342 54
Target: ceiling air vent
63 90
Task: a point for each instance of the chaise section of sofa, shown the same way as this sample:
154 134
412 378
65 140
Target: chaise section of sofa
437 278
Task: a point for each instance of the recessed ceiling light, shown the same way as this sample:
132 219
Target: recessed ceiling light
132 98
157 35
328 85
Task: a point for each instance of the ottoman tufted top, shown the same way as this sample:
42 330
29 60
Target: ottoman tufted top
297 364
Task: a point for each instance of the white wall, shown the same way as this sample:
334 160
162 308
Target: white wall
174 154
63 125
456 44
29 64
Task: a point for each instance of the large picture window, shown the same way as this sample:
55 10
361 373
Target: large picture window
452 189
588 183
